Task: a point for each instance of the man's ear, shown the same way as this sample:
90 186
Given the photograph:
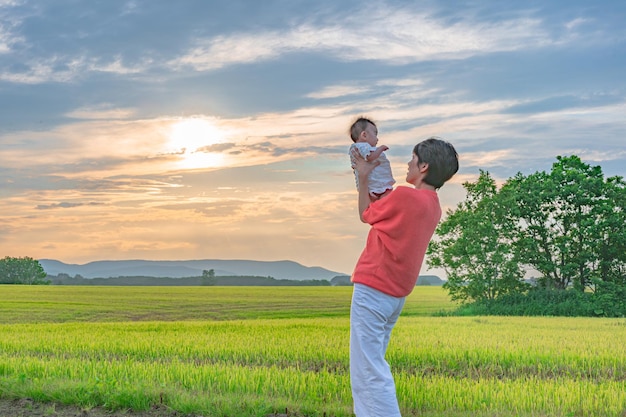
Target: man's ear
423 167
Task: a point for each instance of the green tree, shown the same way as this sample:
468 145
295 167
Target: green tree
341 280
22 271
611 252
565 222
208 277
473 246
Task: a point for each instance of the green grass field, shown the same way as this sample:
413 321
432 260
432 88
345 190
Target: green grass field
253 351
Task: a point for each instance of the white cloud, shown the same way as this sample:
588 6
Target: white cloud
121 143
222 50
104 111
117 66
397 37
575 23
502 157
351 89
336 91
7 23
45 71
599 156
5 40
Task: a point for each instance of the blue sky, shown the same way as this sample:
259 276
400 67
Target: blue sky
204 129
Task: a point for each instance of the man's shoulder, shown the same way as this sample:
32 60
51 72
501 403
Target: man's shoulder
404 190
406 194
413 191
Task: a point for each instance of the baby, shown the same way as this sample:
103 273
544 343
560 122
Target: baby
364 134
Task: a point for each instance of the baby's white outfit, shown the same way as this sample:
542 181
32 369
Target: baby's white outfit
381 177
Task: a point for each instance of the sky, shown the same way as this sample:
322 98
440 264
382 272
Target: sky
219 129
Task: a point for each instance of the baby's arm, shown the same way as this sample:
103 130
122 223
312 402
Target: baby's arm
374 155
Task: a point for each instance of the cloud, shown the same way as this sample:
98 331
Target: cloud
8 23
217 147
105 141
89 145
102 111
117 66
592 155
501 157
335 91
5 40
222 211
68 69
564 102
574 23
400 36
65 204
378 87
61 55
54 69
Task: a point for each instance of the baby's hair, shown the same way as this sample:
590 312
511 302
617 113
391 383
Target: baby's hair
359 126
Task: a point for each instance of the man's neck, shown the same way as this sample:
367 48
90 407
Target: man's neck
420 185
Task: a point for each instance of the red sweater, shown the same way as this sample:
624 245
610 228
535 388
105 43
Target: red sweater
402 225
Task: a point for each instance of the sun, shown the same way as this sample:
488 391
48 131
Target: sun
192 138
189 135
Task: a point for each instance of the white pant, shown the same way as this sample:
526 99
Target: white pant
372 317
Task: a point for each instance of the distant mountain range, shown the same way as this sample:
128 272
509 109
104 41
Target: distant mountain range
179 269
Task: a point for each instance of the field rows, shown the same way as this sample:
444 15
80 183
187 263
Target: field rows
457 366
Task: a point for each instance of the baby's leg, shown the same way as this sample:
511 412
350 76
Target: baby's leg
378 196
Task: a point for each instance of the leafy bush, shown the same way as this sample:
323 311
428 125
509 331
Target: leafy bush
609 300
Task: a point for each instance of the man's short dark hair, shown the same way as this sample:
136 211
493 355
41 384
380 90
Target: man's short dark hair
442 160
358 127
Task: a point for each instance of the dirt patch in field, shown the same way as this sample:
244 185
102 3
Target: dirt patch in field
30 408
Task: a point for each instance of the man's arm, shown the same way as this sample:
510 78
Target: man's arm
364 195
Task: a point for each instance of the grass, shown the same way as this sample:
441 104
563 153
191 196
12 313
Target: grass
59 304
256 351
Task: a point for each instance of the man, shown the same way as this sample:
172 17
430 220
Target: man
402 225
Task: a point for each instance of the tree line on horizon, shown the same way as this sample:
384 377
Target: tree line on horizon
29 271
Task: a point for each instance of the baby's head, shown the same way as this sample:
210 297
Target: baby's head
359 126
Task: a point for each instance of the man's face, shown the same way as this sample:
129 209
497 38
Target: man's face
413 173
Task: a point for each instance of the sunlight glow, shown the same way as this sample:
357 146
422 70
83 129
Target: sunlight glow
189 136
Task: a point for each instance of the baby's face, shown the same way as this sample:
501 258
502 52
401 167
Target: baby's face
371 135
